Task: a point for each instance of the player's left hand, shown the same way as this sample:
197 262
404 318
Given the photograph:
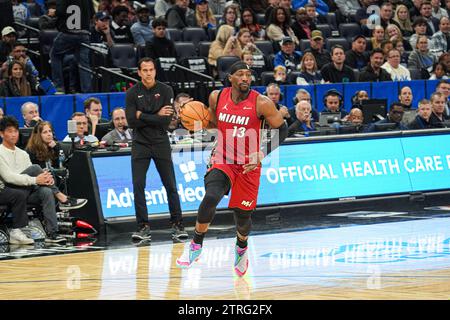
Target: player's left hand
254 161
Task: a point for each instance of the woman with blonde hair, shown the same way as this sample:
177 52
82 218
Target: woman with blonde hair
393 33
16 85
246 41
226 44
401 16
309 73
377 36
203 16
44 151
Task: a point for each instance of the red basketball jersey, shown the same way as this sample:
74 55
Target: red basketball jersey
238 129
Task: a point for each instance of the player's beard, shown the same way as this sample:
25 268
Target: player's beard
244 91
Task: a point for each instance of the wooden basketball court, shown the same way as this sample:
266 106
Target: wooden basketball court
399 260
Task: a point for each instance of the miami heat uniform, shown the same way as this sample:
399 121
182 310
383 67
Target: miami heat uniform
238 136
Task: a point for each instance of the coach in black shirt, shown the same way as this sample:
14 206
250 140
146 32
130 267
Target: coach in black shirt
149 111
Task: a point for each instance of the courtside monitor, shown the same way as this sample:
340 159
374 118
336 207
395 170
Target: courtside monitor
102 129
373 110
379 127
327 118
348 129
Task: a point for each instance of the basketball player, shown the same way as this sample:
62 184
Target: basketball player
149 111
238 114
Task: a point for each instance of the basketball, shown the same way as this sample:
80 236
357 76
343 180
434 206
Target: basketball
192 112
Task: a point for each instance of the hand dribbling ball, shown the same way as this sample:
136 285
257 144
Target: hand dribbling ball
194 116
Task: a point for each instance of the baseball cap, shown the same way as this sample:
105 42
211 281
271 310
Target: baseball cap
316 34
8 30
102 15
286 40
357 37
200 1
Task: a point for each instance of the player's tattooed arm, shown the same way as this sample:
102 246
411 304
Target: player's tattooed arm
212 108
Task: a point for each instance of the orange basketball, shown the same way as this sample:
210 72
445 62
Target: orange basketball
194 116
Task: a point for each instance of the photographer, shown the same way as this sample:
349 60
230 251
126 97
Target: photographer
44 151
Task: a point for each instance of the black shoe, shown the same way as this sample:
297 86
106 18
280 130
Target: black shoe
72 204
178 231
142 234
54 238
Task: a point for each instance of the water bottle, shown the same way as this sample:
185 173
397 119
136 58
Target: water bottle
61 159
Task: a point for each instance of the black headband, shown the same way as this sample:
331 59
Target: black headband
238 66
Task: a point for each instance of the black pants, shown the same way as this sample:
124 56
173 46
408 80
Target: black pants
16 199
141 155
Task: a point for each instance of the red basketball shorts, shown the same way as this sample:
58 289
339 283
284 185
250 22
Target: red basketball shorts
244 187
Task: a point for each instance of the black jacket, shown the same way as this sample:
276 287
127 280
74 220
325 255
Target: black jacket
160 47
150 128
331 74
368 75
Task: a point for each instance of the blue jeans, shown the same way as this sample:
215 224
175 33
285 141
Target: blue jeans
64 45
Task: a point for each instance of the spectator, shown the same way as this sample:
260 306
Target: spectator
30 114
120 28
280 75
348 8
422 120
333 101
230 16
336 71
386 15
2 113
101 36
439 72
16 85
279 26
245 40
355 118
436 10
249 21
273 91
20 12
438 105
303 123
121 132
444 88
105 5
445 59
420 28
432 22
393 33
49 20
303 25
421 58
217 6
202 16
82 135
405 97
162 6
272 5
321 55
309 71
18 53
9 37
373 72
159 45
17 170
394 68
287 4
414 12
247 58
440 41
403 20
142 29
357 57
386 46
394 116
397 44
322 7
69 40
314 16
93 110
225 45
358 98
447 7
44 151
362 14
180 100
288 57
377 36
301 95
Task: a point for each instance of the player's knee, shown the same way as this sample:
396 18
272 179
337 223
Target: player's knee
243 221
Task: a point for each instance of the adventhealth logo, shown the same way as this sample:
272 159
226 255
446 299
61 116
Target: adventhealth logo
188 169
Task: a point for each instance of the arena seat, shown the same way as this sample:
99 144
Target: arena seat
304 44
266 78
326 30
123 56
223 65
265 46
212 33
349 30
185 49
330 42
175 34
194 35
203 48
332 21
